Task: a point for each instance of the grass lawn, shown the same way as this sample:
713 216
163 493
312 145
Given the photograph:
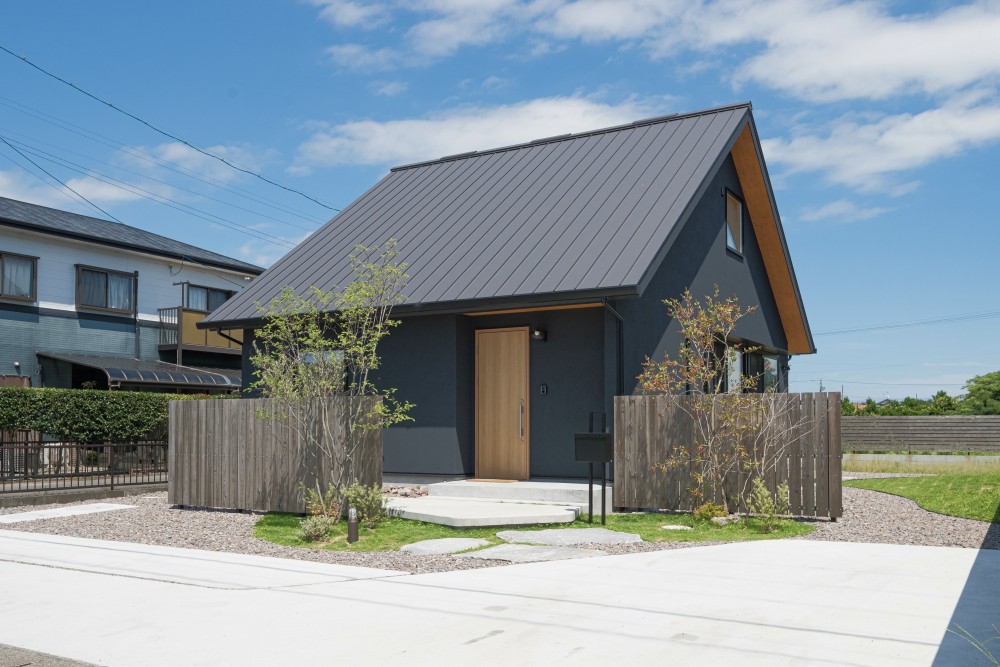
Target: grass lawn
923 467
393 533
972 496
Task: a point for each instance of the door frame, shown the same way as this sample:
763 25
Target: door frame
527 394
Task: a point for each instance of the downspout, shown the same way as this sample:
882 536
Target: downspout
135 311
620 345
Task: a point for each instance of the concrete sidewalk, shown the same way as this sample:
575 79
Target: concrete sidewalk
761 603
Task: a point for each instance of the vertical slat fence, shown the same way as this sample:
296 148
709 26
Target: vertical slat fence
804 452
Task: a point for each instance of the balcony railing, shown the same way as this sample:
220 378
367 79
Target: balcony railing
179 327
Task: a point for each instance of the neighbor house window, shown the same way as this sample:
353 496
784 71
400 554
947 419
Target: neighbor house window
17 277
734 222
206 298
103 289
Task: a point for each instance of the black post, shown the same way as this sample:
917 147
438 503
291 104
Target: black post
590 493
604 486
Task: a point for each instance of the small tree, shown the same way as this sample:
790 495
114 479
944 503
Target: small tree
736 434
322 345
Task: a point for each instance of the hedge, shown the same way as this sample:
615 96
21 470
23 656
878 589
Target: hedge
87 415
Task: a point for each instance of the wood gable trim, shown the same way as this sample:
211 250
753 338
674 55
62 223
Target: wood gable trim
763 217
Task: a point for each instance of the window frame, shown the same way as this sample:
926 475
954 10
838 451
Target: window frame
33 297
188 287
736 250
134 275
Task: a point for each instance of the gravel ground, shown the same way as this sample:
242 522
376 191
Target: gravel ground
872 516
869 516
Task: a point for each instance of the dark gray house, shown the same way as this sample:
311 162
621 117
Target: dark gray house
537 278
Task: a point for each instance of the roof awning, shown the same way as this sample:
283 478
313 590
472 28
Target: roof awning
124 370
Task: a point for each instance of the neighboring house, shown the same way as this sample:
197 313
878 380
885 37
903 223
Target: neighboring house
537 279
90 302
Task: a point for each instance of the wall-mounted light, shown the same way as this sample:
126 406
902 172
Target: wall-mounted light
17 367
538 334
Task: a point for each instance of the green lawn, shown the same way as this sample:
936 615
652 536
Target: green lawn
973 495
394 532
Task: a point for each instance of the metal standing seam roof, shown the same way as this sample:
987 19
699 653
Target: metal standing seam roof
63 223
575 214
141 371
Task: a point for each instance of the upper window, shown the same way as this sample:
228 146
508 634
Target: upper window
17 277
206 298
769 378
734 222
103 289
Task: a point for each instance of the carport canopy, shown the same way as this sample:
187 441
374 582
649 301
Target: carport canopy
125 370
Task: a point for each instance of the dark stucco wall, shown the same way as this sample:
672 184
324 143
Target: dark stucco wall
699 260
431 362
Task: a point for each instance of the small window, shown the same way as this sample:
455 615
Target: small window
17 277
101 289
734 371
206 298
769 378
734 222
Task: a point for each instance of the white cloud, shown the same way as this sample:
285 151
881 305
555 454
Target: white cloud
352 14
864 154
264 253
100 192
460 130
360 57
190 159
23 187
841 210
390 88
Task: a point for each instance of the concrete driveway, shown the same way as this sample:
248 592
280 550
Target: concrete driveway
763 603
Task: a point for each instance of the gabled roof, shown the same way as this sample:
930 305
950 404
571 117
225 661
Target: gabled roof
14 213
558 220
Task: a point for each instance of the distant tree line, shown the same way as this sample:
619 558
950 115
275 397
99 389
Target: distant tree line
982 397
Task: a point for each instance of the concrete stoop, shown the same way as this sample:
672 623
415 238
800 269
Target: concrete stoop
541 491
461 512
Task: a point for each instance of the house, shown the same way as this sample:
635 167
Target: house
537 278
89 302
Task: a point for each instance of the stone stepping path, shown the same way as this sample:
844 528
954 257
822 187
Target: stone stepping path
562 537
526 553
71 510
675 527
444 545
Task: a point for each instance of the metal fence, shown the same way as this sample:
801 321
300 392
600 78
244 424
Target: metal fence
31 464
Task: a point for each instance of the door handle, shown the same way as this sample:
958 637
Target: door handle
520 419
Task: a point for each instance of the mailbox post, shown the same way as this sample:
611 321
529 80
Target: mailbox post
594 448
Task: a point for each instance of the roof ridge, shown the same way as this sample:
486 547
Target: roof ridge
568 136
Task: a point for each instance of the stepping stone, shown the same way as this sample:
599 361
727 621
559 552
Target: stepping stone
445 545
525 553
568 536
58 512
675 527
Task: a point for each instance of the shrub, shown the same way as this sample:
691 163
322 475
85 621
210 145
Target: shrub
765 508
368 502
326 505
315 528
709 510
87 415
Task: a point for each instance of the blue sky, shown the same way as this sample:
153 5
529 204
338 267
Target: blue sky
880 121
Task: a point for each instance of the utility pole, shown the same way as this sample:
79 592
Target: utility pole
821 385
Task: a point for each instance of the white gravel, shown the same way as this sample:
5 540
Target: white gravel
869 516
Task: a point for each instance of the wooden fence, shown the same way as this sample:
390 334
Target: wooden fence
805 453
221 454
978 434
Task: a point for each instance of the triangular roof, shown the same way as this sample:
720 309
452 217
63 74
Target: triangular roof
559 220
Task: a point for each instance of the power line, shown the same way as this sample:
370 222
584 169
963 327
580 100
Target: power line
43 154
115 144
966 317
50 175
166 201
163 132
888 384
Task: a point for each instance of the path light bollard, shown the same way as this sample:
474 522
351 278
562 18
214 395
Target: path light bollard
352 525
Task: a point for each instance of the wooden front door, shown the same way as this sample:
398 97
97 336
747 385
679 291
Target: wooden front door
502 403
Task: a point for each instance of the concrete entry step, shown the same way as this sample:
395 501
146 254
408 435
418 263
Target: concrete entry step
541 491
474 512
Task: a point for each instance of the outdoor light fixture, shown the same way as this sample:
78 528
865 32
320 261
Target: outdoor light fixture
538 334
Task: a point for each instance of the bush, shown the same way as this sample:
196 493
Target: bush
368 502
87 415
765 508
315 528
326 505
709 510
